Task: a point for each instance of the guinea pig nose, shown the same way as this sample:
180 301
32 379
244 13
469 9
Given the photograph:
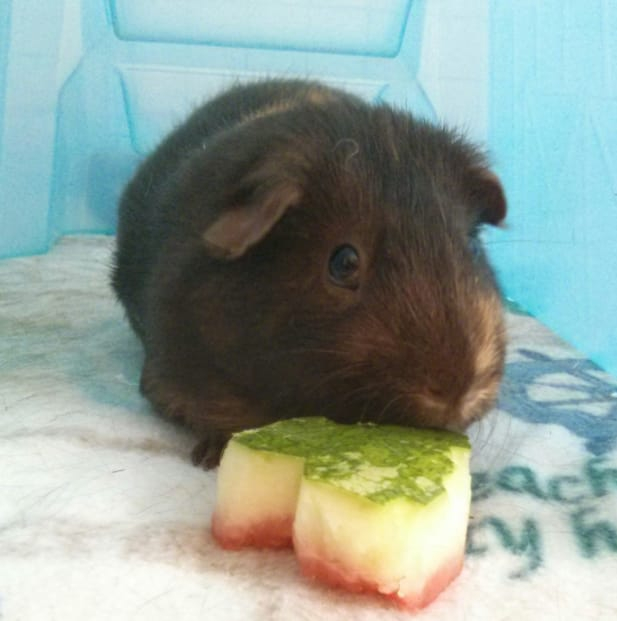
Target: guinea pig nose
434 389
432 407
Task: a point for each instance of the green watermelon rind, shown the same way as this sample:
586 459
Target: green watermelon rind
381 463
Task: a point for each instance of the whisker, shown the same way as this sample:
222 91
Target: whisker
381 416
351 370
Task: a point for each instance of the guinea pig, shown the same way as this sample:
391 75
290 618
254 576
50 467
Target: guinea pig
292 250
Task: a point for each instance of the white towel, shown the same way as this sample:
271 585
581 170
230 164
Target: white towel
102 516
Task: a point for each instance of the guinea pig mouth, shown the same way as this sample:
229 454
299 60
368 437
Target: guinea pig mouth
439 412
409 411
429 411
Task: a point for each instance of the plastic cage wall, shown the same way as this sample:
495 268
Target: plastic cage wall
88 87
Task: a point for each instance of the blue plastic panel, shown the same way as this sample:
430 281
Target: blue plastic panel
157 98
351 27
28 57
90 87
553 129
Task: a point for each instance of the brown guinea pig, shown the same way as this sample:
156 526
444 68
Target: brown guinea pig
292 250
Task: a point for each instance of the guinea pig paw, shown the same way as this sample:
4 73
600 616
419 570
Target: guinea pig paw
207 452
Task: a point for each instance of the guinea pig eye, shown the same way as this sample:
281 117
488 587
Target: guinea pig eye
344 266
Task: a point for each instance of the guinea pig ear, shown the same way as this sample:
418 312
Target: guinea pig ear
488 196
244 225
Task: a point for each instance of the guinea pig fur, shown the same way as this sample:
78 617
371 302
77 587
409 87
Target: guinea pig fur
291 250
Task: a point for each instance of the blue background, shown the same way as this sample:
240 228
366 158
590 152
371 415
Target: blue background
87 88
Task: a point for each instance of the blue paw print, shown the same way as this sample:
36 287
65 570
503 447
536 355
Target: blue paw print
563 403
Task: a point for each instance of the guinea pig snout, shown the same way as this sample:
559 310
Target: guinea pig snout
456 404
439 403
471 405
460 380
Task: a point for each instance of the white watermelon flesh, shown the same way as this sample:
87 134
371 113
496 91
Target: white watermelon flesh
256 497
367 508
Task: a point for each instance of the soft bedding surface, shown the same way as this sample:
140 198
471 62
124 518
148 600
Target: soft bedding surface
102 516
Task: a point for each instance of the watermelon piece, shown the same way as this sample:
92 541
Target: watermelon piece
257 496
368 508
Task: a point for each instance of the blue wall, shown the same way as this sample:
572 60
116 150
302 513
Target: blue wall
553 132
90 87
87 88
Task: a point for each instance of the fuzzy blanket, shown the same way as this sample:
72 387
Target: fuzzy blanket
102 516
